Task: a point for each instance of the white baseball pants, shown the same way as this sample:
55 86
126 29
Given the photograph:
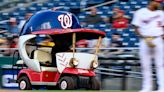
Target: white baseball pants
146 54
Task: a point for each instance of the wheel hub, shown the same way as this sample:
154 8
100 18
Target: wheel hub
22 85
63 85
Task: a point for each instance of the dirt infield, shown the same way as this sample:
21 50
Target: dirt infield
9 91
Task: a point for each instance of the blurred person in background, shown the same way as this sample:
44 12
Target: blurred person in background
4 43
118 19
13 28
149 25
13 43
116 42
114 14
22 22
104 44
82 43
93 18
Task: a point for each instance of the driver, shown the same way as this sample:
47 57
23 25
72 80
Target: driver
61 45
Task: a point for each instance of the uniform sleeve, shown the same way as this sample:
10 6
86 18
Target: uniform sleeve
162 18
136 19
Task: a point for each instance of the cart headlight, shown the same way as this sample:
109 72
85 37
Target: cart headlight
94 64
74 62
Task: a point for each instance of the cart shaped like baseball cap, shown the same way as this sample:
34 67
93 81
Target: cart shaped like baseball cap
71 66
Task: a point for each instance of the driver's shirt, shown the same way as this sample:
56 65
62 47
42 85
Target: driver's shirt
149 22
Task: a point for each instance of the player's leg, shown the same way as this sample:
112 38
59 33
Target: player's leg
159 61
145 60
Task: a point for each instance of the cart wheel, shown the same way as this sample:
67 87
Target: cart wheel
24 83
67 83
95 84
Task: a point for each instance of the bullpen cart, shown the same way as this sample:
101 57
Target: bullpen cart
60 66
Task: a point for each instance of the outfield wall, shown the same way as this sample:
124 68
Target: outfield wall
7 71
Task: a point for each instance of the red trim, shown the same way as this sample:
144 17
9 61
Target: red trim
63 31
78 71
44 76
47 76
27 72
56 79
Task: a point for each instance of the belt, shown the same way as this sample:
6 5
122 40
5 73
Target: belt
151 37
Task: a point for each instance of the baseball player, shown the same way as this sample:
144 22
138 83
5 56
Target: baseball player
149 23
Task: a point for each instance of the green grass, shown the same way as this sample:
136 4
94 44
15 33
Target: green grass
77 91
65 91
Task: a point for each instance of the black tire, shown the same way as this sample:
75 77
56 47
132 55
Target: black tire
67 83
24 83
94 84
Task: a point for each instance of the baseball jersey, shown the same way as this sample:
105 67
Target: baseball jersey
149 22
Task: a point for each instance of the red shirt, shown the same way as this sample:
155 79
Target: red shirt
13 45
82 43
120 23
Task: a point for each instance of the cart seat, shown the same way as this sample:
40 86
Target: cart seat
45 59
20 62
42 56
46 49
51 69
